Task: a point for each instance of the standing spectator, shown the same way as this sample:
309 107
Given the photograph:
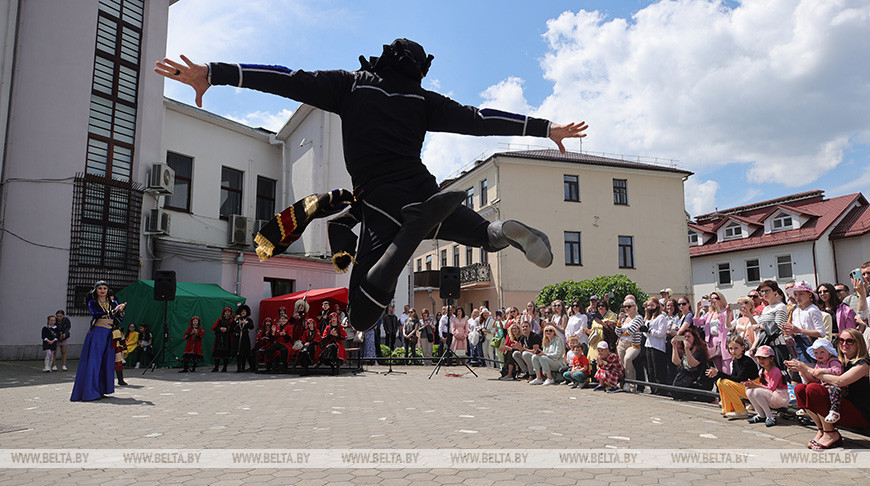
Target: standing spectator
402 318
531 315
459 330
498 337
369 353
410 333
758 303
609 369
744 322
550 358
730 385
559 318
577 326
716 323
49 341
223 338
843 315
690 356
629 341
487 328
391 327
474 340
143 354
323 317
687 317
241 327
595 333
193 347
855 408
771 390
63 328
655 327
848 298
674 321
427 334
771 321
664 294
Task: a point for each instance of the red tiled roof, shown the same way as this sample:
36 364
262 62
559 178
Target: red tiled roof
823 212
793 201
856 223
736 218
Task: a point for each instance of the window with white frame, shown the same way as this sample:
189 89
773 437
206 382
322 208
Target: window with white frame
419 264
443 258
428 262
753 270
694 238
572 248
455 255
723 273
782 221
783 267
469 197
484 186
733 230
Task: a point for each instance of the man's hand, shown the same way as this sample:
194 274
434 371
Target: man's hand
560 132
195 75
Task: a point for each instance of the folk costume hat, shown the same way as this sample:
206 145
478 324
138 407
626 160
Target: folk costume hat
92 294
243 307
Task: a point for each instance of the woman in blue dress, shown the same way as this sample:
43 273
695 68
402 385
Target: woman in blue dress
96 370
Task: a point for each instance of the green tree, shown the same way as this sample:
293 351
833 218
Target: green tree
619 285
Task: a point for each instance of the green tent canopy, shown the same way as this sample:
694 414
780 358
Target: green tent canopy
191 299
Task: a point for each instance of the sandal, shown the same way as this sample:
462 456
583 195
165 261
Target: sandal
837 443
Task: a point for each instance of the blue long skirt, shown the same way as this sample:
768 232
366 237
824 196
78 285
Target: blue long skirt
95 375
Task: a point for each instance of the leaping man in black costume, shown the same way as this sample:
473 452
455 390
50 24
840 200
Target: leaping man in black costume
385 114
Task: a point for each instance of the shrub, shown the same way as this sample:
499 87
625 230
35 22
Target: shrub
619 285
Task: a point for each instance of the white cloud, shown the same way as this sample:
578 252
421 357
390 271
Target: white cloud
776 85
264 119
700 196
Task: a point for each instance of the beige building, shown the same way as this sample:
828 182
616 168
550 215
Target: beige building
603 216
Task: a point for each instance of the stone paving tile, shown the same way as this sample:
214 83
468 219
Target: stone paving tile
165 410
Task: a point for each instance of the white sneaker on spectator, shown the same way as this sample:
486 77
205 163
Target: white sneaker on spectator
737 415
549 381
46 369
137 366
64 368
536 381
54 368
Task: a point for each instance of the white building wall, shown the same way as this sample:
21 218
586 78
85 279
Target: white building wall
851 253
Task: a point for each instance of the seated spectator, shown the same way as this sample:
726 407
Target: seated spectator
332 341
690 356
827 362
310 352
529 345
548 359
144 352
579 372
854 408
131 340
511 345
770 391
595 331
609 369
569 358
731 388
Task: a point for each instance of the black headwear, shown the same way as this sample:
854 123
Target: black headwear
92 295
243 307
403 56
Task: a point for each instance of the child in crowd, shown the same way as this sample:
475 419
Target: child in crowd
49 342
579 372
770 391
609 369
828 363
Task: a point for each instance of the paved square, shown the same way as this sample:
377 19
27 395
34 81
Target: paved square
166 409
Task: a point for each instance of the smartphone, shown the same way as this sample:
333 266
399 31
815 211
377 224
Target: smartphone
856 274
680 338
705 303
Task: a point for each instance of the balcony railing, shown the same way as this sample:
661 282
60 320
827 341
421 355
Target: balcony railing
476 272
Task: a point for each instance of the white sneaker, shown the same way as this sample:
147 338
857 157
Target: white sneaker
737 415
549 381
46 369
54 368
64 368
536 381
137 366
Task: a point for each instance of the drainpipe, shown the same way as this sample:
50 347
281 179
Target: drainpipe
285 172
240 260
499 290
815 271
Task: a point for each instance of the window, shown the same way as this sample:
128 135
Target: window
484 256
469 255
455 255
733 230
783 267
419 264
723 273
469 197
620 191
265 198
277 286
443 258
179 200
231 192
115 89
626 252
753 270
694 239
483 193
572 248
428 262
781 222
572 188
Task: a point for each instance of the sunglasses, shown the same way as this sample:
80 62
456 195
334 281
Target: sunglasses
683 303
714 298
848 341
549 331
628 306
823 291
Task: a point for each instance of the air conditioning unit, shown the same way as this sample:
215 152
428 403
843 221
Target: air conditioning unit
258 225
240 230
162 179
158 222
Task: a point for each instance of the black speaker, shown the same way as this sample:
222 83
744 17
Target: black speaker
449 283
164 285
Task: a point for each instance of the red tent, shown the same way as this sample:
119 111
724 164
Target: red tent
269 307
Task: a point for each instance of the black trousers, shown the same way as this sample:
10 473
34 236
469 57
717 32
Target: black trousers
657 369
282 350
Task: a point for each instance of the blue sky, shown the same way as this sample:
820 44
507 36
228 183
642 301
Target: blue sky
760 99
